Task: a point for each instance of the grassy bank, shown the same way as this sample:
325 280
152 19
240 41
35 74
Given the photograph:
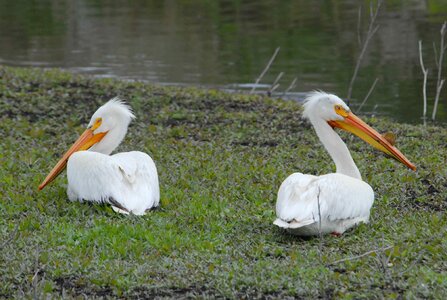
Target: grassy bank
221 159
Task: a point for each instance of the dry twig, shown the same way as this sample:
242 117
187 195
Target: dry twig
11 236
359 22
417 260
383 261
265 70
35 279
440 81
291 86
275 84
361 255
369 93
436 54
372 29
424 88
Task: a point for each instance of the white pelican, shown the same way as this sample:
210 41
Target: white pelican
128 180
309 205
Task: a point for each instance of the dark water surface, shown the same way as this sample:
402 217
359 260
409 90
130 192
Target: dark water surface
226 44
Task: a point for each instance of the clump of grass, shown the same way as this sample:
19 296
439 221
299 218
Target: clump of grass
221 158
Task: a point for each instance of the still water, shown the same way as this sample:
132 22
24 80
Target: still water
226 44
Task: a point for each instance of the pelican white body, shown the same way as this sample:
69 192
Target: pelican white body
129 178
337 200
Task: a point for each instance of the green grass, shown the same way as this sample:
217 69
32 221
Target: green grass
221 158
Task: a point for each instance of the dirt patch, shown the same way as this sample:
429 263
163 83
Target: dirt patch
430 188
255 143
77 287
191 292
430 202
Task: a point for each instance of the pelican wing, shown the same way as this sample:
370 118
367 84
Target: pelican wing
303 199
128 178
139 174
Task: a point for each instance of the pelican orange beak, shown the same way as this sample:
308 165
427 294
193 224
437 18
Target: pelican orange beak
84 142
355 125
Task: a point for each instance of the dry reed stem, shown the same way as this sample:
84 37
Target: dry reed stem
275 84
369 34
291 86
440 82
424 87
368 94
265 70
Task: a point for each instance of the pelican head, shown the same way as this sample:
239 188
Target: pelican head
110 124
104 133
320 106
323 106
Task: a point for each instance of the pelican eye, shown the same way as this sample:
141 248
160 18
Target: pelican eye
341 111
96 124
